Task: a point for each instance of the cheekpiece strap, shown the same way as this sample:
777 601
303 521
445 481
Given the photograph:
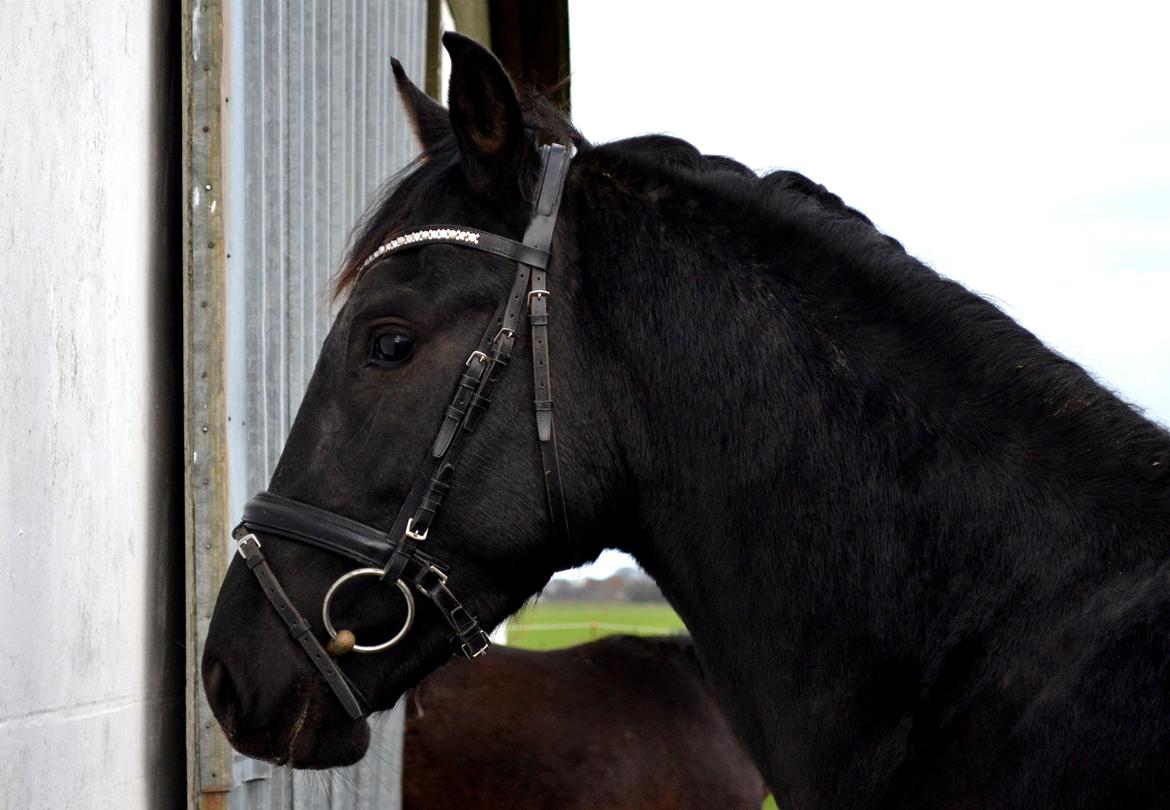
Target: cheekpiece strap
298 628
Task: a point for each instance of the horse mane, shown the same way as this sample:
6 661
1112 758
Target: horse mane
986 354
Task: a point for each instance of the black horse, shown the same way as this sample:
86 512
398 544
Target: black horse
925 560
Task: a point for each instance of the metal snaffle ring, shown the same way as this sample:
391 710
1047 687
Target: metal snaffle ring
369 572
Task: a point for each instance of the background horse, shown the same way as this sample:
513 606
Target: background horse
623 722
925 561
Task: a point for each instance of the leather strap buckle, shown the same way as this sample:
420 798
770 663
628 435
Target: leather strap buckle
412 534
476 646
245 540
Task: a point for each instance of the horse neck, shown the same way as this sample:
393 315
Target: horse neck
823 440
853 374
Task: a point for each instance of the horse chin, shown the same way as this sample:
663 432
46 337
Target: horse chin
318 738
330 746
324 737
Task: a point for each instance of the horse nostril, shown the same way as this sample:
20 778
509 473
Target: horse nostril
221 693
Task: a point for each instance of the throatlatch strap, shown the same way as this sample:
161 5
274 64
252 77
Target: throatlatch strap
299 628
473 641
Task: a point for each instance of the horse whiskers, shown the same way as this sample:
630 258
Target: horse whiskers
347 781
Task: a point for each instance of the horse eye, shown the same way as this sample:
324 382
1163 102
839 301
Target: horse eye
391 349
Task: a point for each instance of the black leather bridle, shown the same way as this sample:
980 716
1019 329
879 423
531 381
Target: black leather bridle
396 556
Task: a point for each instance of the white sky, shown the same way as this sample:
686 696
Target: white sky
1022 149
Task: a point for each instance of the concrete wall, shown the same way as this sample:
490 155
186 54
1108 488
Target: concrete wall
91 577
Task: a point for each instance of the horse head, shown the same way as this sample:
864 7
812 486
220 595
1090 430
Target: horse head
452 276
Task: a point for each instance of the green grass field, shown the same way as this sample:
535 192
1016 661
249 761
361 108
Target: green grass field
549 625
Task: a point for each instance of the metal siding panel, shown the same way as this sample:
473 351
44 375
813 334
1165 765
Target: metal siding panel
250 115
322 254
338 153
323 129
294 268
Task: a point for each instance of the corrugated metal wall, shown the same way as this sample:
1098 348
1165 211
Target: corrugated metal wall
313 128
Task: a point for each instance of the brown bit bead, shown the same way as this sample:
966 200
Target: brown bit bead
341 643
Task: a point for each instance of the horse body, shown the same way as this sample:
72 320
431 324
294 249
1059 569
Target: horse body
932 514
955 538
923 559
620 722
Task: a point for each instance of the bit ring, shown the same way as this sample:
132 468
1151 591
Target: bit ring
369 572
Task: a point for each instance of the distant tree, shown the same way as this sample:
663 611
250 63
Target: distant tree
626 585
644 590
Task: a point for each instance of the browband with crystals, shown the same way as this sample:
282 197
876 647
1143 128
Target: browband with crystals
464 237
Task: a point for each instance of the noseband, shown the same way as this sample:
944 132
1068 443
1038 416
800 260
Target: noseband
396 556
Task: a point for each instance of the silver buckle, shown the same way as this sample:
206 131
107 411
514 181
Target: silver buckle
412 534
467 653
473 355
504 329
240 544
538 294
442 577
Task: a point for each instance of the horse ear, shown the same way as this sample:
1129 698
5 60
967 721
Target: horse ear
428 117
485 114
